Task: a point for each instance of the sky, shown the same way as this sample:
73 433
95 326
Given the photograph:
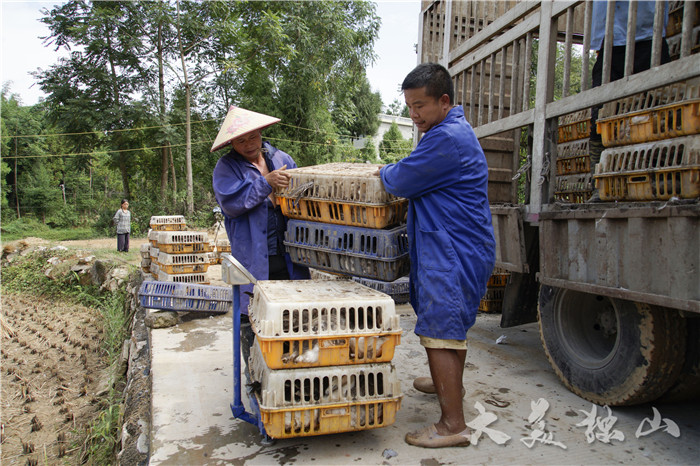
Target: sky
23 51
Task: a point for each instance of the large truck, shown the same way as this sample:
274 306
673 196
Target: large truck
614 285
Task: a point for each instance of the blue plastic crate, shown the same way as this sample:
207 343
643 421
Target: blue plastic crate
361 241
399 289
352 265
185 297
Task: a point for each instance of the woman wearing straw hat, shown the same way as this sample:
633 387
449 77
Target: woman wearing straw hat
244 180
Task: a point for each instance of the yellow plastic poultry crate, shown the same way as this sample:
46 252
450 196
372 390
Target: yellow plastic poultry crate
183 242
313 323
492 300
330 419
223 245
324 400
153 237
145 251
498 280
652 125
345 213
573 157
573 188
168 223
651 171
660 185
666 112
329 351
183 263
574 126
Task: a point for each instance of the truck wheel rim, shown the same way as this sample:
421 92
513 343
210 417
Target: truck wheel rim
588 327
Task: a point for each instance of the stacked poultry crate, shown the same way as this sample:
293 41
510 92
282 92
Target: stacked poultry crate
652 145
321 361
178 255
674 26
495 289
344 222
573 180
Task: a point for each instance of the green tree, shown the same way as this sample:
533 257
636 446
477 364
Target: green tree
397 108
393 146
331 42
357 108
22 148
94 89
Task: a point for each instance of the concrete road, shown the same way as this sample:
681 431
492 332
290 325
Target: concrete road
192 421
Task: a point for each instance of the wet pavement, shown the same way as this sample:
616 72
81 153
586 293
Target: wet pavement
192 422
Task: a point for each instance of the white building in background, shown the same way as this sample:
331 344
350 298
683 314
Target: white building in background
405 126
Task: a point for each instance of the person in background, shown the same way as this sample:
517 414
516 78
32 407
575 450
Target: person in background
452 245
642 57
244 180
122 219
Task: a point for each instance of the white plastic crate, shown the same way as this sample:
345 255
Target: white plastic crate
153 237
168 222
145 251
575 117
183 263
304 308
154 268
146 262
182 237
200 278
342 182
181 242
671 94
154 251
683 152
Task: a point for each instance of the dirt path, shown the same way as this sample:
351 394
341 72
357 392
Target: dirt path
51 363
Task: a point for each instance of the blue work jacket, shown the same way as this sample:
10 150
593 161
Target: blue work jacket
451 242
241 191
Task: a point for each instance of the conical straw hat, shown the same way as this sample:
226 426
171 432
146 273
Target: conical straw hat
238 122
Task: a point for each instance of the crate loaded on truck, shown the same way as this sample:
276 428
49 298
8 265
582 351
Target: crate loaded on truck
615 284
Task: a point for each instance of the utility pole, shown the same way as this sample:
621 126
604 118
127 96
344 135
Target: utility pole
15 176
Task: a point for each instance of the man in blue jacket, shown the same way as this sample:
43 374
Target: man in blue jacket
244 180
452 247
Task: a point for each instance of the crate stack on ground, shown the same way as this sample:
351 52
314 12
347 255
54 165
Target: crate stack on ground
674 27
177 254
495 289
321 360
573 182
652 145
146 258
222 246
344 222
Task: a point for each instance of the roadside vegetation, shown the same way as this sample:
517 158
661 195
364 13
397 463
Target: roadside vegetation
96 441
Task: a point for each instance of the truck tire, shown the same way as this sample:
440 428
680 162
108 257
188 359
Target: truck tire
610 351
687 386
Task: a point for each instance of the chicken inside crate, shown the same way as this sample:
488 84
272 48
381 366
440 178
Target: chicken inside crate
313 323
324 400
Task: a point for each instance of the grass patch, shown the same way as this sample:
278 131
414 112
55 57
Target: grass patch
26 275
23 228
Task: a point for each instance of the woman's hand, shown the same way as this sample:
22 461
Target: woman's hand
278 178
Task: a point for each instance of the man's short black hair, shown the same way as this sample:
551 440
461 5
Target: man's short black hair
434 77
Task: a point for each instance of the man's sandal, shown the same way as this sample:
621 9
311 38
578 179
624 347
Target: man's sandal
426 385
429 438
